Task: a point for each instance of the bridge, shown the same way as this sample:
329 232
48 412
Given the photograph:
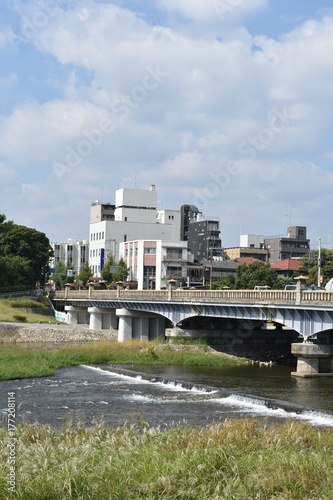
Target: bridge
146 314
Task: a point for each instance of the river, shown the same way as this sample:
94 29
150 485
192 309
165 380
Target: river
165 395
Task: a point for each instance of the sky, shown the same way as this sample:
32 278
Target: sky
223 104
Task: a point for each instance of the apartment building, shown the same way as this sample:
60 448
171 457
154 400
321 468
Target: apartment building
73 251
293 246
152 263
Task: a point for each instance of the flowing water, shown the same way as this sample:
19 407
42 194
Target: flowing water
165 395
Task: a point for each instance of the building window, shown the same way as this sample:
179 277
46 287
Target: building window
103 235
150 251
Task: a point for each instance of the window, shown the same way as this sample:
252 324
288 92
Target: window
125 219
103 235
174 253
150 251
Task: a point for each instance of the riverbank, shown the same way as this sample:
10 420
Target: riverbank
17 333
23 362
233 459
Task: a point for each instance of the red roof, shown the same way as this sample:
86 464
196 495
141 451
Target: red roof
246 260
287 265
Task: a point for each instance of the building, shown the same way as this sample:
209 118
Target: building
293 246
74 252
188 214
152 263
204 238
134 216
286 267
250 245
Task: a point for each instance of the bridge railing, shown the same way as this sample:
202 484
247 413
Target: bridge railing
232 296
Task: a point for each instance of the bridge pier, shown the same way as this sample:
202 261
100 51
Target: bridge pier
102 318
138 325
77 315
313 360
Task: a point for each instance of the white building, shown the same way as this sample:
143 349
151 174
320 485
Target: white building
133 217
152 263
73 251
252 241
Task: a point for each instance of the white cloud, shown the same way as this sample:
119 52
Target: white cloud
213 11
208 103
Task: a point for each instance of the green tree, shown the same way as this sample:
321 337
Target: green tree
85 274
257 273
121 275
59 277
14 273
228 281
28 244
309 267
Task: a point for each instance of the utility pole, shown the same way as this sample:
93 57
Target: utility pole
211 270
319 263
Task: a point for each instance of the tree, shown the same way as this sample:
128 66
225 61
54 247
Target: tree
121 275
14 273
28 244
85 273
220 283
310 267
59 277
257 273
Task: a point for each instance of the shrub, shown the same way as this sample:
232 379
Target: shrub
19 318
25 304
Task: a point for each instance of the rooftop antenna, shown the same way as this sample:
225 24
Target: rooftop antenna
290 217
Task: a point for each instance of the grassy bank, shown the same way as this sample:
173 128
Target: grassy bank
9 308
232 460
19 362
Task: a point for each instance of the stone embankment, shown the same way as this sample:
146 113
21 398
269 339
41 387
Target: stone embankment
33 333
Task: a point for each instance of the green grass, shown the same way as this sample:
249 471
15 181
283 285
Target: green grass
236 459
20 362
8 311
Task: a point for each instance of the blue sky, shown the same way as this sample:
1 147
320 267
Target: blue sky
225 104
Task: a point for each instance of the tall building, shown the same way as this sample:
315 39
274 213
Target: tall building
188 214
204 238
293 246
134 216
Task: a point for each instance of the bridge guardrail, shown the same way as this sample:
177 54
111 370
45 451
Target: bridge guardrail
273 296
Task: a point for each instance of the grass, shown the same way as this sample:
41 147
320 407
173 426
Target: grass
8 310
20 362
236 459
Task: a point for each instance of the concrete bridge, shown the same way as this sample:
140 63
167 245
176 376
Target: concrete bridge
234 316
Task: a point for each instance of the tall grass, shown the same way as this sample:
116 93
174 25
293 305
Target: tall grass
240 459
19 362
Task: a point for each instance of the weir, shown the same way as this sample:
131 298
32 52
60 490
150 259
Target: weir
277 315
